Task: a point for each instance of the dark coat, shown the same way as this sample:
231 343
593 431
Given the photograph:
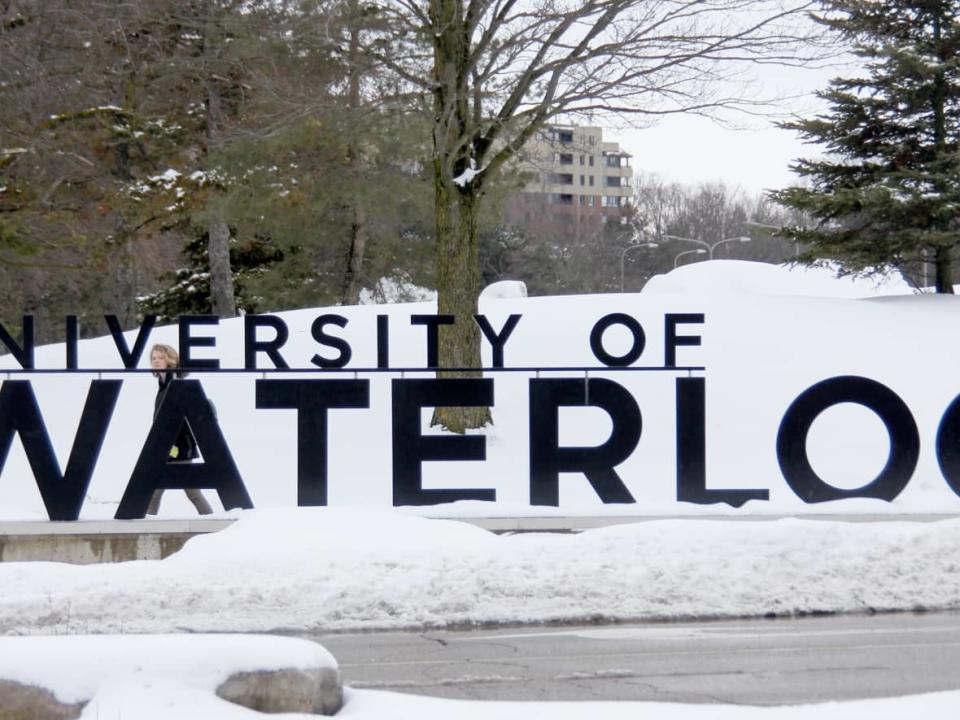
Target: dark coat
185 444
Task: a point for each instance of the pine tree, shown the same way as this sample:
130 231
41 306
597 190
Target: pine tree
887 194
189 292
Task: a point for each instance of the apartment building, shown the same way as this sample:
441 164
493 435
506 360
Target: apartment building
577 182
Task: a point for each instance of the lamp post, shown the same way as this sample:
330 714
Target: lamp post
710 247
696 251
623 256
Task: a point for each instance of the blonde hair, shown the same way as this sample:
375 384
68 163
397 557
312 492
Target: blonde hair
169 353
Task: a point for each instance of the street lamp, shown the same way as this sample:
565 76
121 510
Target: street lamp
679 255
623 256
710 247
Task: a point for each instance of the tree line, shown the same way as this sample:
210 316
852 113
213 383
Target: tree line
293 151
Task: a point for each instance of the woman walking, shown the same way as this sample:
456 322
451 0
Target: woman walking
165 362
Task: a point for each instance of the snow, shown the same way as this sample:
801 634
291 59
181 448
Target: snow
756 278
168 176
769 333
759 357
75 667
467 176
370 704
354 569
163 699
505 289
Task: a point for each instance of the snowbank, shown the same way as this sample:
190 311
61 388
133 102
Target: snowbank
360 569
74 667
761 349
757 278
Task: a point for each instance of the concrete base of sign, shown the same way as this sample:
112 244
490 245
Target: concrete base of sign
42 692
97 541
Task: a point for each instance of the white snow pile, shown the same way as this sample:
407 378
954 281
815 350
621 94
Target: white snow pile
163 699
505 289
757 278
373 705
328 569
761 350
74 668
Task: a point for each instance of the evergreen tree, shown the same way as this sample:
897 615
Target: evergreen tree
887 194
189 293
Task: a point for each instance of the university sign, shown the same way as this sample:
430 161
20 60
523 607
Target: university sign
316 387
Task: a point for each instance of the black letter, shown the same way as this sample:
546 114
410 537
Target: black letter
596 340
185 402
948 445
433 323
73 341
411 448
692 451
23 354
251 346
383 341
62 494
330 341
188 342
130 359
311 399
792 438
548 459
497 341
672 341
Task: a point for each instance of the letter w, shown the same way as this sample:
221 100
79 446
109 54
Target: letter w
62 493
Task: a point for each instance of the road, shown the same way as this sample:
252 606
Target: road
757 662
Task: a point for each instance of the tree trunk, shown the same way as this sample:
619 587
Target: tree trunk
455 210
458 285
222 300
124 285
358 242
124 275
944 265
221 278
358 224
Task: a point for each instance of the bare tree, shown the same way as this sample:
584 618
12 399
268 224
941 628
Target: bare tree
495 72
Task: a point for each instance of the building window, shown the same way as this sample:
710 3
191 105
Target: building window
566 199
581 181
613 161
612 181
563 136
566 158
591 161
611 201
581 159
591 180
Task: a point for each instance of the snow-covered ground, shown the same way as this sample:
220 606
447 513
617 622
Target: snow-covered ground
335 569
163 700
354 569
360 565
769 333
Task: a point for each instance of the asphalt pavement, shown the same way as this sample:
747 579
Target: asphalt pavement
757 662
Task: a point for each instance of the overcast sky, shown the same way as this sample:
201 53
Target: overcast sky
756 156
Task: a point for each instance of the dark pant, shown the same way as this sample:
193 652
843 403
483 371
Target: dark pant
195 496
